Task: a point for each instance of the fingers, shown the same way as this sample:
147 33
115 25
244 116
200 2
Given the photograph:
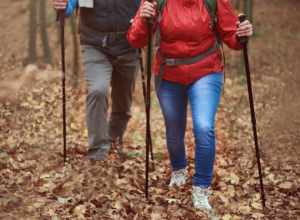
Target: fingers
237 24
244 29
60 4
147 10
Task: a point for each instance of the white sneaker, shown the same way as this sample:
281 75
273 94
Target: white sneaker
179 177
200 198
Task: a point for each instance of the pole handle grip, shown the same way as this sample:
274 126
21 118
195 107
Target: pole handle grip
60 16
150 20
242 18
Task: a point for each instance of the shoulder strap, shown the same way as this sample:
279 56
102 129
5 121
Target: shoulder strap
212 5
159 4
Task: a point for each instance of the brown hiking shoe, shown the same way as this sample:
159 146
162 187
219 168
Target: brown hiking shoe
116 147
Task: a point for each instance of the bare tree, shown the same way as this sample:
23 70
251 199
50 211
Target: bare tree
43 31
248 5
32 57
75 46
237 4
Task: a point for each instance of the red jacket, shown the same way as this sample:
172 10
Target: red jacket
185 33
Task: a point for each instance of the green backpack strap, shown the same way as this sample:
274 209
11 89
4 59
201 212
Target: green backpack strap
159 4
213 5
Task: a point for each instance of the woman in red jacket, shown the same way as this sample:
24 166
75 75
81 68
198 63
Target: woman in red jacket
188 69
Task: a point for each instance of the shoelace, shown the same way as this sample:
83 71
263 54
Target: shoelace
202 192
177 175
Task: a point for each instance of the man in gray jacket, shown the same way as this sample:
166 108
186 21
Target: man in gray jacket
108 60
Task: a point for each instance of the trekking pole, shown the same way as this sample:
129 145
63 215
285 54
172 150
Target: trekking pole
243 40
144 94
148 105
61 18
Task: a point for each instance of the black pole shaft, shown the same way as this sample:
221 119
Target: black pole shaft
148 106
144 94
148 99
142 75
63 66
253 119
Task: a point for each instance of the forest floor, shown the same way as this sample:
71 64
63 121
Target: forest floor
35 184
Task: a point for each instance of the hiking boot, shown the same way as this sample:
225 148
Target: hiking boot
116 147
179 177
200 198
97 162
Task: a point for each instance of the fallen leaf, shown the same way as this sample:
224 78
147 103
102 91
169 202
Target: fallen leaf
44 176
227 217
256 205
286 185
234 178
224 199
79 211
155 216
170 200
118 205
258 215
293 188
256 197
74 127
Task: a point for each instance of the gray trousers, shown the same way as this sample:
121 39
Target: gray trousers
101 71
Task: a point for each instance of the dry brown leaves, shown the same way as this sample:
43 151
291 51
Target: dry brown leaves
36 185
34 179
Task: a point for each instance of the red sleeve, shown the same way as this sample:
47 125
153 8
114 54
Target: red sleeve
137 34
226 20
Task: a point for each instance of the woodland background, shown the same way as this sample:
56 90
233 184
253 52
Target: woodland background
34 184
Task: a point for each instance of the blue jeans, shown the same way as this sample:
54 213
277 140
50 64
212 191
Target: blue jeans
203 96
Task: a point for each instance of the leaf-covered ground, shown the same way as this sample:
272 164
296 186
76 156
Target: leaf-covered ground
36 185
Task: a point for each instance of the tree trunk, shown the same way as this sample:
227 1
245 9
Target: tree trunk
237 4
43 31
75 46
248 5
32 32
